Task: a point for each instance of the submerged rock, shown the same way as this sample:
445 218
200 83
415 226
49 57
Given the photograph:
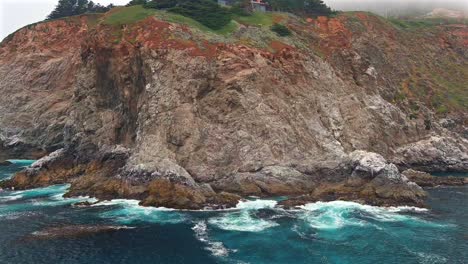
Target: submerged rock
74 231
5 163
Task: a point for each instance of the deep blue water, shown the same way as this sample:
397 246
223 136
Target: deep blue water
255 232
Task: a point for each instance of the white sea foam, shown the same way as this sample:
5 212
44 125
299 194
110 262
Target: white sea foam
244 219
216 248
10 198
430 258
338 214
129 211
256 204
47 196
43 192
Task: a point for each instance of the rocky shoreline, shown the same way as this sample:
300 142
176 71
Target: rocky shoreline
366 178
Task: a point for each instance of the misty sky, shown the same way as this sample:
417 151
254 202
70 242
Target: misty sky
15 14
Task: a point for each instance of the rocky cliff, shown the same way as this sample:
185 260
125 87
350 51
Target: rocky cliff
178 116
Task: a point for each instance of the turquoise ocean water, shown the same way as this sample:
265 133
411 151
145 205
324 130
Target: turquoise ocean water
255 232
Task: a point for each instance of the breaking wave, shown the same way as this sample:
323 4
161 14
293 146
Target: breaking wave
130 212
216 248
245 219
339 214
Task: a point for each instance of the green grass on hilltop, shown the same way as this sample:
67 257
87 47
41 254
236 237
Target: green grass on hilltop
127 15
183 20
132 14
256 19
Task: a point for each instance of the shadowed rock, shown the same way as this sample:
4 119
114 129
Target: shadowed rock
5 163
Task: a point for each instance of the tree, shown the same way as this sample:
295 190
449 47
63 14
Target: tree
316 7
67 8
301 7
64 8
137 2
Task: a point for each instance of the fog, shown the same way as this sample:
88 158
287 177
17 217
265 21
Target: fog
398 7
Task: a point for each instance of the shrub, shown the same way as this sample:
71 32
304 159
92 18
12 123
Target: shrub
207 12
281 30
136 2
161 4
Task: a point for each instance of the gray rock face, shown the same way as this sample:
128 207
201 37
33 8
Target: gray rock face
366 164
170 122
436 153
384 177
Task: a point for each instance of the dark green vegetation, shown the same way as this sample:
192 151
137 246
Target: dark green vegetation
214 16
206 12
66 8
137 2
281 30
301 7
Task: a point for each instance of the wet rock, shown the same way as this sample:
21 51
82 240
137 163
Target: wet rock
74 231
5 163
426 180
84 204
373 181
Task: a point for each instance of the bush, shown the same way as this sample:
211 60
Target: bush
136 2
207 12
281 30
161 4
240 11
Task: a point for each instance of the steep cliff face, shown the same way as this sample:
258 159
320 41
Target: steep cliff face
177 117
38 74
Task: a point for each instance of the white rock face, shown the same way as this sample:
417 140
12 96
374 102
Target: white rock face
369 162
47 159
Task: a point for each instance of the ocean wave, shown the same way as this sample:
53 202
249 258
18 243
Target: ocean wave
10 198
338 214
39 197
129 212
22 162
53 190
216 248
256 204
429 258
244 219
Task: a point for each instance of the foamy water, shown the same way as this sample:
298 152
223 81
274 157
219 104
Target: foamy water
255 231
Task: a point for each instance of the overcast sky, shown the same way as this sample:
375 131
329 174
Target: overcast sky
15 14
